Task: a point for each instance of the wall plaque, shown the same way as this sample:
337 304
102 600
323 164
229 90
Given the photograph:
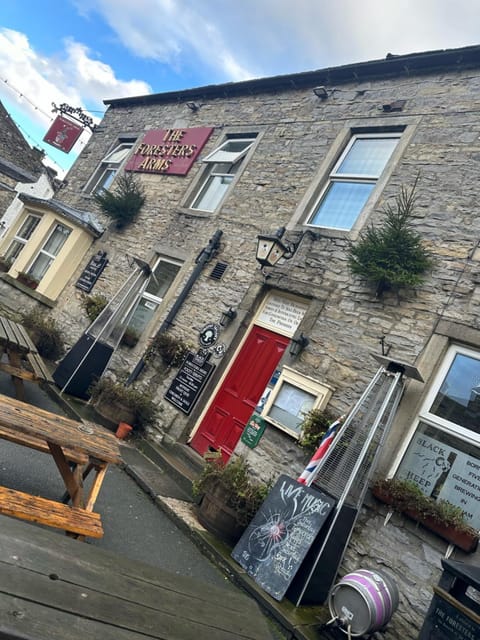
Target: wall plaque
92 271
187 385
253 431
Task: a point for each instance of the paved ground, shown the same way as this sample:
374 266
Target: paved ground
134 524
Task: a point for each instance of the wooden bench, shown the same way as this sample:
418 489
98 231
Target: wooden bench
40 445
54 514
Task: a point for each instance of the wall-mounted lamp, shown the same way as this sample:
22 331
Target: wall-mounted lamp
193 106
320 92
298 344
227 317
271 248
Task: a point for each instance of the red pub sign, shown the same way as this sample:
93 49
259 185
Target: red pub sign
171 151
63 134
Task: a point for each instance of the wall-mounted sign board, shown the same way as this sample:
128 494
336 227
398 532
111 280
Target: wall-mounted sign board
92 271
187 385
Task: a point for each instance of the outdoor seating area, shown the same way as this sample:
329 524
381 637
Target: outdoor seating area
78 449
23 360
50 584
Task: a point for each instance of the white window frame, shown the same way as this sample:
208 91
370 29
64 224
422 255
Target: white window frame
145 295
335 176
20 240
321 392
43 252
233 160
109 166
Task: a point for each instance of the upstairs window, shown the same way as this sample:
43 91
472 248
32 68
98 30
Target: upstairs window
109 167
223 164
352 180
21 238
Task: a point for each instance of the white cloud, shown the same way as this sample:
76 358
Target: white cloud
250 38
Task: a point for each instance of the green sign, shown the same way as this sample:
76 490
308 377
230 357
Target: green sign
253 431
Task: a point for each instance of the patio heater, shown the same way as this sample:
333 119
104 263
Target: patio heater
88 358
344 473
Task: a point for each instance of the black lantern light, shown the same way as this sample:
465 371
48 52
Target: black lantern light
298 344
227 317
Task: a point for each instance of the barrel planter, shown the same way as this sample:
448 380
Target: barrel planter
363 601
217 517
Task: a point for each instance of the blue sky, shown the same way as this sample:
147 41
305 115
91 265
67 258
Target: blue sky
84 51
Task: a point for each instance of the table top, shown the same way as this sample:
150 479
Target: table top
85 437
50 583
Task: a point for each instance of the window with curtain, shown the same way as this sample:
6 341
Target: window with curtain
21 238
352 180
49 251
223 164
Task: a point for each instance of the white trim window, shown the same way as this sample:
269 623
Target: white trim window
291 398
352 180
443 456
109 167
21 238
223 164
49 251
163 275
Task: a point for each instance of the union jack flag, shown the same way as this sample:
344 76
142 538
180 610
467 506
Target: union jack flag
329 436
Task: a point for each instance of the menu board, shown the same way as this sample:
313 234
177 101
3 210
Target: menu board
189 382
279 537
92 271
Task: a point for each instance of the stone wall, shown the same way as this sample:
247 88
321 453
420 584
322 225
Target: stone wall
345 322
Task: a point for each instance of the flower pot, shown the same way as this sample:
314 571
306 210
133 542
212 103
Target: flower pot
218 518
123 430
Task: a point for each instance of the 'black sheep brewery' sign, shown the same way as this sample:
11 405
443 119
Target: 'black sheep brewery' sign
277 540
189 382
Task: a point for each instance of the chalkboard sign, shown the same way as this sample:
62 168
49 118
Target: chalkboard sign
92 271
277 540
189 382
253 431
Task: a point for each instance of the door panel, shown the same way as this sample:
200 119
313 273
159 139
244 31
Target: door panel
240 392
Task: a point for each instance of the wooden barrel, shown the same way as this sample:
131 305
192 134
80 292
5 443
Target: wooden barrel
364 600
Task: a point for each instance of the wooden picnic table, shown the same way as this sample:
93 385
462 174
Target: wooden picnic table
24 361
52 588
77 449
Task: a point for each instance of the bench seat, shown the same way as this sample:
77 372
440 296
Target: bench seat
47 512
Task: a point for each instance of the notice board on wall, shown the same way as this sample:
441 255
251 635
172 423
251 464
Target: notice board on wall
279 537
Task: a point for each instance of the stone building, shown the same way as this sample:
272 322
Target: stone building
320 153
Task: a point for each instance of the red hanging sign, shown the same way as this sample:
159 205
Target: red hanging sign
63 134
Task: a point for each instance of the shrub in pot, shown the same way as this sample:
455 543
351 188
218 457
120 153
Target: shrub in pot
45 334
230 497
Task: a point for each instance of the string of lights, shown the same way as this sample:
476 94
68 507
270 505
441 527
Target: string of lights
32 141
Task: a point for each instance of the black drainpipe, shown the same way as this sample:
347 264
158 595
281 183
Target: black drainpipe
203 258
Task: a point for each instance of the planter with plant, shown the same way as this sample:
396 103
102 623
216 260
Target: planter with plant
440 516
393 256
123 204
118 403
170 349
93 305
313 427
130 338
45 334
230 497
27 279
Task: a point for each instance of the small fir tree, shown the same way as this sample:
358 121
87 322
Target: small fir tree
123 204
392 256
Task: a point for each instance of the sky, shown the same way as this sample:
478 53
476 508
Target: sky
82 52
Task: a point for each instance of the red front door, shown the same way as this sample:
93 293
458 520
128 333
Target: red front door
240 392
